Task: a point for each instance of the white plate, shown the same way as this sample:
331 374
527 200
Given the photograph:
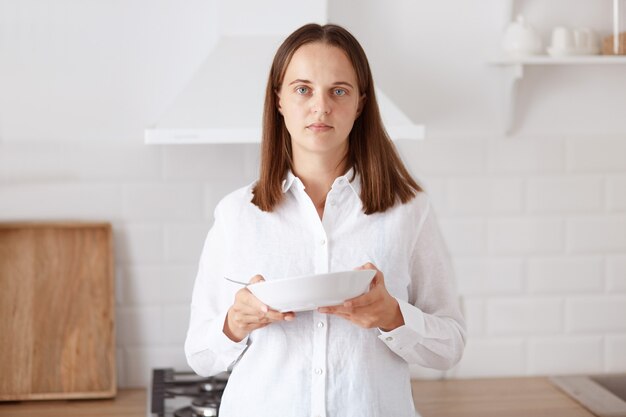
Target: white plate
312 291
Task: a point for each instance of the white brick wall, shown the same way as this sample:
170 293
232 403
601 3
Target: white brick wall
562 275
616 193
616 273
615 357
596 314
565 194
526 235
565 355
492 357
597 234
539 246
524 316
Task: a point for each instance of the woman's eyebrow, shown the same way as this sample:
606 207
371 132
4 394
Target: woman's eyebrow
301 81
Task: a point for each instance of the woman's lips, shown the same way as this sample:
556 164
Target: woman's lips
319 127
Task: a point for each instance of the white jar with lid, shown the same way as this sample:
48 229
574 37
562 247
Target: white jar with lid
521 39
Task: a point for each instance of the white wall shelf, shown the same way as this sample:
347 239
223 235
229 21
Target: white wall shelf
515 72
514 67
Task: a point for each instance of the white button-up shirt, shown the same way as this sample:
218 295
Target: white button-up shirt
319 364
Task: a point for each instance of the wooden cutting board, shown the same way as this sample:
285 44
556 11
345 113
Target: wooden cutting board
57 333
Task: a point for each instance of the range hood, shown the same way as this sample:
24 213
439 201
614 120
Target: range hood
223 101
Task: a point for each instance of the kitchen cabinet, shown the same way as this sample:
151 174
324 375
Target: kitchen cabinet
514 67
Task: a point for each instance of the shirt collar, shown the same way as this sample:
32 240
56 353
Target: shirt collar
354 183
288 181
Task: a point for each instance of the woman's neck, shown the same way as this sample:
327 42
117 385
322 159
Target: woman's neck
318 176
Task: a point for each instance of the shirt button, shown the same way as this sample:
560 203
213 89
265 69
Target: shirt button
320 324
323 242
319 371
332 203
341 181
389 339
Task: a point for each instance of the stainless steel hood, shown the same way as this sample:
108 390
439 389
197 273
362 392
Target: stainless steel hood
223 101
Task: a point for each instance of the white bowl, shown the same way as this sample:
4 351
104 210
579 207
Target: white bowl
312 291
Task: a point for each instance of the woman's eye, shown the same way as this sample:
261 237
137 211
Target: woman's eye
340 92
302 90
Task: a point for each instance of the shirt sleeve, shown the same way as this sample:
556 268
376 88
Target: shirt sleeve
208 350
433 335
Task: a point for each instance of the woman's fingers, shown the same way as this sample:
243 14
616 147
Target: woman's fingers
256 278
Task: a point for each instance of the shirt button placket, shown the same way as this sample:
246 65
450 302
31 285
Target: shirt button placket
320 323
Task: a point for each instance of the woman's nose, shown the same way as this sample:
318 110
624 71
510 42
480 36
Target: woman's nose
321 105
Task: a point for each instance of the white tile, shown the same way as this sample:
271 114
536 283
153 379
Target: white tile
446 156
464 236
566 274
524 316
60 201
515 236
175 324
506 195
141 361
474 313
596 314
480 195
184 242
177 283
523 155
139 326
565 194
44 162
211 162
485 357
615 353
597 234
477 276
435 187
616 273
215 191
616 192
162 201
597 154
565 355
120 367
119 280
157 285
138 243
142 285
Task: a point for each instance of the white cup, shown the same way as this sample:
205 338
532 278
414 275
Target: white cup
562 38
585 39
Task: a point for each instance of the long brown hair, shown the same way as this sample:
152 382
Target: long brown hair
384 178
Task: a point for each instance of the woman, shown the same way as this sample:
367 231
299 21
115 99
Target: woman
332 195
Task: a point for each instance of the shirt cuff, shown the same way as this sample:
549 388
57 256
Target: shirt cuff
221 344
401 337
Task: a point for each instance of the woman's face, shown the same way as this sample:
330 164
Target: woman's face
319 100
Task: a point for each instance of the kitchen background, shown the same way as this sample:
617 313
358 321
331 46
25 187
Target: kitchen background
535 219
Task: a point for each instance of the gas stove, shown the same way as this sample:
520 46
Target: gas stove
185 394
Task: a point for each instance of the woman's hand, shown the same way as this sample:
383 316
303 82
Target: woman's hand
248 313
375 308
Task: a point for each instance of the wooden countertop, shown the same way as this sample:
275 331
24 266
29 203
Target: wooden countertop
501 397
510 397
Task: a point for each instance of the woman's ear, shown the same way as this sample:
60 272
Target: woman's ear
362 100
278 101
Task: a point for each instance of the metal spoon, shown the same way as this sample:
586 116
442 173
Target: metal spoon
237 282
